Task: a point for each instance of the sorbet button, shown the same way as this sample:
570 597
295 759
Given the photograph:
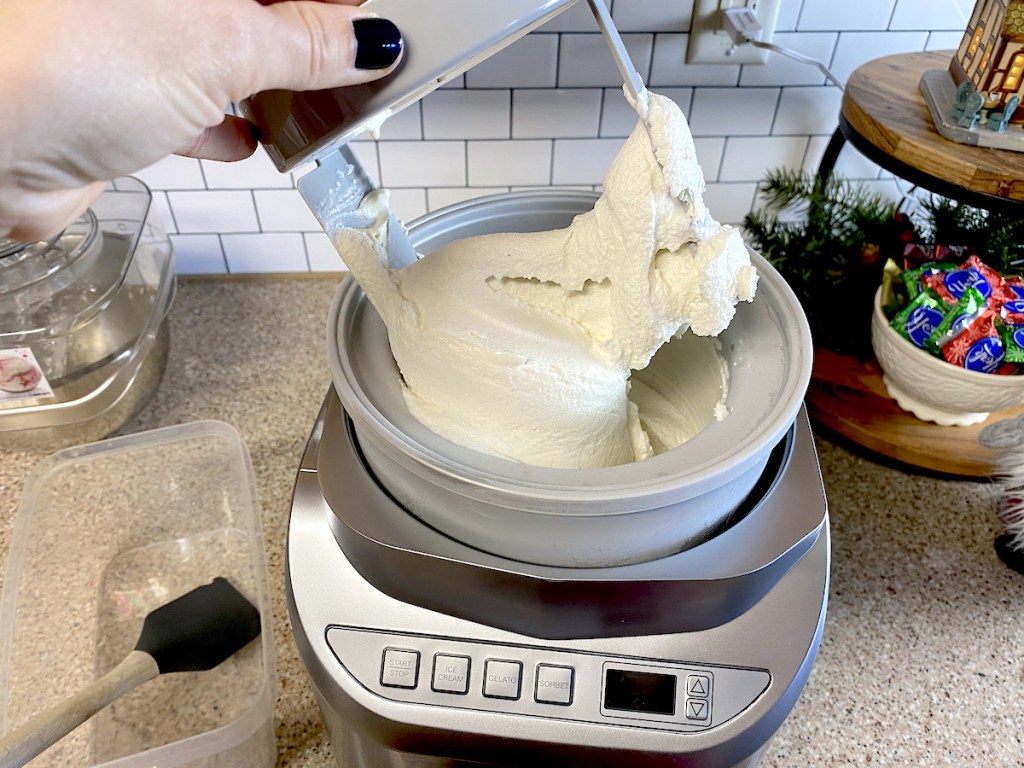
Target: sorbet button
399 668
554 684
451 674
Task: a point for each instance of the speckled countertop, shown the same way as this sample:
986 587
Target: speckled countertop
922 660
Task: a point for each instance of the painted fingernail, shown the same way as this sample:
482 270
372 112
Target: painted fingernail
378 42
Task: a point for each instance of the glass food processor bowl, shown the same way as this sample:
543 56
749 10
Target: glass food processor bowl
83 342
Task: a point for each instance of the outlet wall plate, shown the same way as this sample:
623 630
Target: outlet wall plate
710 45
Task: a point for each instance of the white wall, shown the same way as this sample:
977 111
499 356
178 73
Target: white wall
548 111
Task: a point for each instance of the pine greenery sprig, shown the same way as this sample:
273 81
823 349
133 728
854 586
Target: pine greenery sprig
996 237
827 240
830 241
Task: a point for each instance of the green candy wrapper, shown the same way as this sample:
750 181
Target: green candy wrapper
970 305
912 277
1013 342
917 321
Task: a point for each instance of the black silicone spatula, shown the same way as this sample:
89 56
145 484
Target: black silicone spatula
195 632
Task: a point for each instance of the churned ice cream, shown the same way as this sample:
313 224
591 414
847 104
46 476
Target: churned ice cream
523 345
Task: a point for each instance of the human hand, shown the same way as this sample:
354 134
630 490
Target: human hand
93 91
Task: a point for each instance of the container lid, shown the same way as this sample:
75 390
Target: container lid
49 287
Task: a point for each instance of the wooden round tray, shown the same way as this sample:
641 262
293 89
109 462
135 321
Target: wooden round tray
847 396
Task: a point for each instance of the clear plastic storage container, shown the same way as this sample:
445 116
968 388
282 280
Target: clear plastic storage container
106 533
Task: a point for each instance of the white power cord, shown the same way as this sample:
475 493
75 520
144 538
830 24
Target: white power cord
743 28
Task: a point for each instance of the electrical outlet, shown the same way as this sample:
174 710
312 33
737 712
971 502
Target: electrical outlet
709 44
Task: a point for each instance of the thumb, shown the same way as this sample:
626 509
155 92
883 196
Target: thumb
323 45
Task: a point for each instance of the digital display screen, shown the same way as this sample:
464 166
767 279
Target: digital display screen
633 691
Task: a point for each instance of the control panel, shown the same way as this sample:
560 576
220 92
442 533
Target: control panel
537 681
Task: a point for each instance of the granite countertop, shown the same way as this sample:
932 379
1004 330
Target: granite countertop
922 659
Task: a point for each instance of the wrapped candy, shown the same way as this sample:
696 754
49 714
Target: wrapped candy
1012 312
918 320
951 284
1016 285
965 313
1013 342
976 345
912 277
968 308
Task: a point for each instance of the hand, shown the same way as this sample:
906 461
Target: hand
92 91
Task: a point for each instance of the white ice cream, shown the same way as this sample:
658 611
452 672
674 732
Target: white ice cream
522 345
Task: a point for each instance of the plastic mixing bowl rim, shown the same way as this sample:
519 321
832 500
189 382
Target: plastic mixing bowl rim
558 484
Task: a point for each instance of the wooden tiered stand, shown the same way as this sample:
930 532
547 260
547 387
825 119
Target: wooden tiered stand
884 116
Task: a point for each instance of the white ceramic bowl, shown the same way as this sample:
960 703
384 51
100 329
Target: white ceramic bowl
932 389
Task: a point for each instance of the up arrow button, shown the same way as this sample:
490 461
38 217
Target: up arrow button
698 686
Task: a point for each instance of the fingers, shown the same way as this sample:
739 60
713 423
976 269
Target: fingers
312 45
233 139
41 215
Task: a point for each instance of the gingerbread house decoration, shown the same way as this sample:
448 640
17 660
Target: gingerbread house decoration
977 98
991 53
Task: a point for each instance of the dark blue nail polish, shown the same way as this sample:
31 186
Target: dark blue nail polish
378 42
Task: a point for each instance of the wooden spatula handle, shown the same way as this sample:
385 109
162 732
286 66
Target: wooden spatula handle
32 737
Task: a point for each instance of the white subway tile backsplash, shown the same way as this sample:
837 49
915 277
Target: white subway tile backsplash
284 210
747 158
928 15
549 110
808 110
850 165
321 253
163 208
669 67
467 115
782 70
408 204
943 41
268 252
709 155
577 18
530 62
585 61
214 212
368 157
618 118
789 15
173 172
404 125
503 163
422 163
887 188
815 151
729 203
652 15
840 15
198 255
555 113
583 161
853 165
255 172
857 48
733 111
